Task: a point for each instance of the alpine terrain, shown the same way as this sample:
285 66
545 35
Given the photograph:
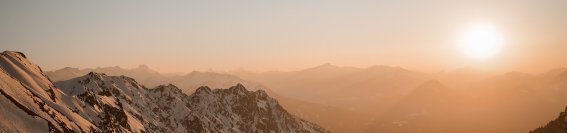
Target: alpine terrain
97 102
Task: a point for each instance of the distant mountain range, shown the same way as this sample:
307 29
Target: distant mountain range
96 102
324 115
393 99
386 98
148 77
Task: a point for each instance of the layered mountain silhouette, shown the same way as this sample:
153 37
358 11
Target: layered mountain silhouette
392 98
386 98
149 77
328 116
97 102
428 108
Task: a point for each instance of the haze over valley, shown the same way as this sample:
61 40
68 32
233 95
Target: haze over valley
416 66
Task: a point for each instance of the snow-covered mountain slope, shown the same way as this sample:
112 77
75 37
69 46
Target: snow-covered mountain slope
116 103
323 115
96 102
30 102
168 109
559 125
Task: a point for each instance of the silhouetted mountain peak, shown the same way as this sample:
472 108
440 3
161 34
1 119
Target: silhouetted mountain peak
69 69
326 66
144 68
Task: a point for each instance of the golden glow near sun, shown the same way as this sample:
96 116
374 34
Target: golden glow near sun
481 41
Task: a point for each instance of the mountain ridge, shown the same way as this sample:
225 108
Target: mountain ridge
96 102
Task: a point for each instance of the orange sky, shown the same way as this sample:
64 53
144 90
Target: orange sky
182 36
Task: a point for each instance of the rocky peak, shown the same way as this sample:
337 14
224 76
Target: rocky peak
170 89
238 89
95 75
100 83
261 93
102 77
203 89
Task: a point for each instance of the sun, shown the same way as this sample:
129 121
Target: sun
481 41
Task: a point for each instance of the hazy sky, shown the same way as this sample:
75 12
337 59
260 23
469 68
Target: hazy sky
180 36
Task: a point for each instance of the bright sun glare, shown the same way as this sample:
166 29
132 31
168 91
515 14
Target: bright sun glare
481 41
